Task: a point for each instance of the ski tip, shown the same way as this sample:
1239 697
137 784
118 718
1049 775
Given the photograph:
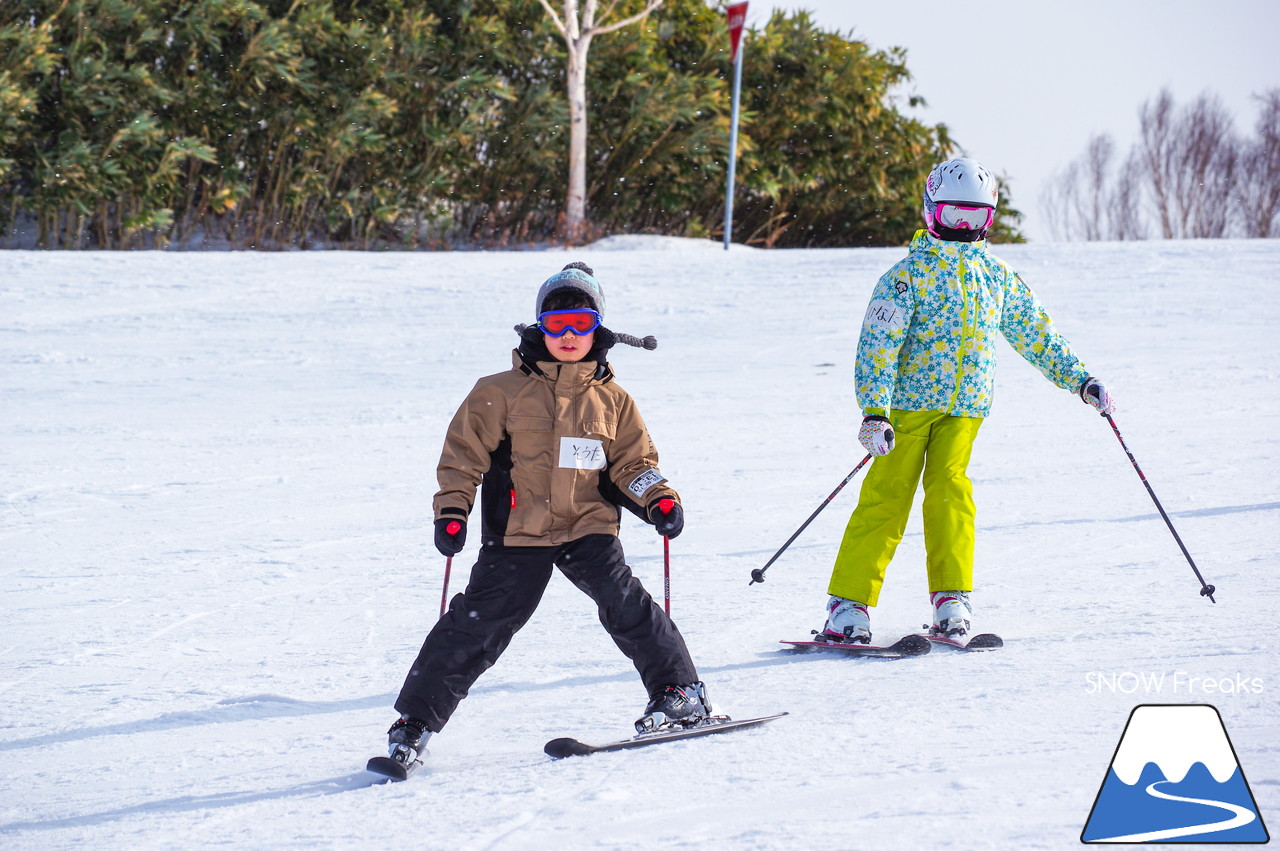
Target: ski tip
561 748
985 641
981 641
913 645
388 767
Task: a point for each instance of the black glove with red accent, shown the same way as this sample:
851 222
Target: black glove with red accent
451 534
667 517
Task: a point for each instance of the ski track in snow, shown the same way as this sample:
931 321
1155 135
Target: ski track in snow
216 474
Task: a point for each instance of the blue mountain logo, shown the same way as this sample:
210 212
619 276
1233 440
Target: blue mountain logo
1175 778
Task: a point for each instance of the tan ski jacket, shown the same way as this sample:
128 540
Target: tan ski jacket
557 448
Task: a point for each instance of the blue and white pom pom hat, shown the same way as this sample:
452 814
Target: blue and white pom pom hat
572 277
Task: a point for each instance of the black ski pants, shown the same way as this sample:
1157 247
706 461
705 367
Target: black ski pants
506 586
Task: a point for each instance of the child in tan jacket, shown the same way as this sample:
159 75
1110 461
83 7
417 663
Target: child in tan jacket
557 448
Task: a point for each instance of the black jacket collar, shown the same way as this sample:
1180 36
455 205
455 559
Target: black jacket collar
533 348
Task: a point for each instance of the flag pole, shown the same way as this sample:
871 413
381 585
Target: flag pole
737 18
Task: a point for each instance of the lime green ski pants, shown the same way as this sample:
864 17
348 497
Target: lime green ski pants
939 445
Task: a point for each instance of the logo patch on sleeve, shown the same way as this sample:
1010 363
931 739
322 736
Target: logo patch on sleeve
582 453
644 481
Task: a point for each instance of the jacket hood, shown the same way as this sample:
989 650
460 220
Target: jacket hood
925 241
554 371
533 348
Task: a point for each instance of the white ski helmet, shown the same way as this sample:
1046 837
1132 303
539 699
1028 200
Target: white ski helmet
964 182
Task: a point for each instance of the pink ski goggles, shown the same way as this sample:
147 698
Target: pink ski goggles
960 216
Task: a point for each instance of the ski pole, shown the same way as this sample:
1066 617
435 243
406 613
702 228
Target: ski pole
665 506
452 529
1206 590
757 575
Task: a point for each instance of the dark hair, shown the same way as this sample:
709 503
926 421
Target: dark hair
565 299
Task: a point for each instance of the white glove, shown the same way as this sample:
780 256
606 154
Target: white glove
876 435
1095 395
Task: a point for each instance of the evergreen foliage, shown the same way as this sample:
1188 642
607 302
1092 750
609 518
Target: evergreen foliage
435 123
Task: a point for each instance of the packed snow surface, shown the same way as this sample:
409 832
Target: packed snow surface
215 544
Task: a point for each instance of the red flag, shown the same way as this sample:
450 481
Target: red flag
737 13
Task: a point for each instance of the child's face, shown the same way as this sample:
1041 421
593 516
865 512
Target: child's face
569 347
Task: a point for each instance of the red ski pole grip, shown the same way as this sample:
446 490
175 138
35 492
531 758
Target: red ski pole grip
453 528
665 505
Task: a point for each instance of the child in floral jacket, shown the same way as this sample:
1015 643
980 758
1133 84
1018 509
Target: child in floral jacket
925 375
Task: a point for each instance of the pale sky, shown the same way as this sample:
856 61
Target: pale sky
1024 84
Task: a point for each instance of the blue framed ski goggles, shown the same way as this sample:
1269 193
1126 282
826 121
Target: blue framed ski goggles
579 320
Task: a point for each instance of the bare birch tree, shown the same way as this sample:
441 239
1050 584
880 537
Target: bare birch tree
578 25
1125 208
1093 206
1205 159
1086 200
1188 173
1155 151
1057 200
1257 188
1189 160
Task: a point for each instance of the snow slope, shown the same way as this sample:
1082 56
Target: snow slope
216 473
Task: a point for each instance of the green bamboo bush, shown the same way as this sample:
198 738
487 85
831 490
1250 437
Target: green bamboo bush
275 124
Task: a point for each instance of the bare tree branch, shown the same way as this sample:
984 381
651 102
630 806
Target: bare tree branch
626 22
555 18
608 10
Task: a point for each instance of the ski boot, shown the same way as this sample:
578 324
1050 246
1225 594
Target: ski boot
407 739
951 613
847 622
675 707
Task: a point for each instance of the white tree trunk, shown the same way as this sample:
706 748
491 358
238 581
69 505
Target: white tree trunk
578 30
575 208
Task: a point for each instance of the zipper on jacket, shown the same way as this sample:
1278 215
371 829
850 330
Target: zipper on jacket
569 374
576 390
965 337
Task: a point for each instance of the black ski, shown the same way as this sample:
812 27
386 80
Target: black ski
981 641
561 748
392 768
908 645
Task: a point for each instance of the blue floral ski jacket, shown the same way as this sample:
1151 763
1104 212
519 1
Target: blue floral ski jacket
929 337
